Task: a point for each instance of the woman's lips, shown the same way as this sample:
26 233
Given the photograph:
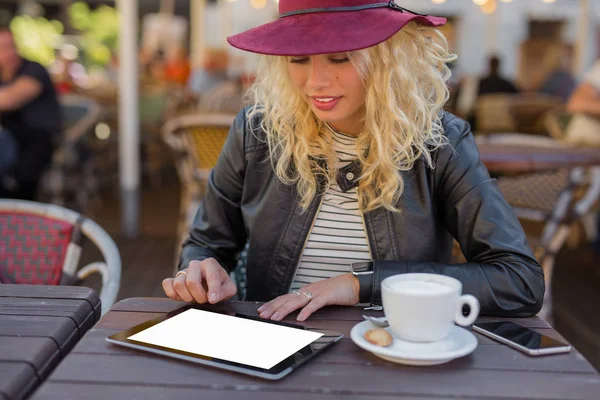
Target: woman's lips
325 103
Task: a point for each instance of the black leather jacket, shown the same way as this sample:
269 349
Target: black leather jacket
457 199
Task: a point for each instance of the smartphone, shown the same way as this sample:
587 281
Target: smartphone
524 339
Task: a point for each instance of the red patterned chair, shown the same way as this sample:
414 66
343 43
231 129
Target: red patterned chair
40 244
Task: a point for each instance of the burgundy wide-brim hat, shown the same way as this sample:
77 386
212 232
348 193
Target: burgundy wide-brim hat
328 26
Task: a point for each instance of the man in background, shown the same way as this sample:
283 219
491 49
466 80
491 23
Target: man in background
29 109
494 82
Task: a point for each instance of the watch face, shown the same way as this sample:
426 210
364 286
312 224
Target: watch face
362 268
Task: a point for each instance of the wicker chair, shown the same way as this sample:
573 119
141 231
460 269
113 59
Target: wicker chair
41 244
558 199
529 111
493 114
523 113
196 141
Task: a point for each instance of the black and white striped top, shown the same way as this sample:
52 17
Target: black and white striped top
338 236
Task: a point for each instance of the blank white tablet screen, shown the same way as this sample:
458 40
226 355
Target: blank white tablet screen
240 340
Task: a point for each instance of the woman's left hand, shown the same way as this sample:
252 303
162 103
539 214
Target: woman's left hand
342 290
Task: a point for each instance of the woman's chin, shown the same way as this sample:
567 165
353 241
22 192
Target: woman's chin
326 116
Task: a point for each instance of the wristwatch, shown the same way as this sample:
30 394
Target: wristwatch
363 271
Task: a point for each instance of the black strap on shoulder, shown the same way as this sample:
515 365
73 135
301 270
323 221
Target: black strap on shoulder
391 5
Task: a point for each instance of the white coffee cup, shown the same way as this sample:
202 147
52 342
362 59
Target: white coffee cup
424 307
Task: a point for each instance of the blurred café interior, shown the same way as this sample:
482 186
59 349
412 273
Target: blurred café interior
149 88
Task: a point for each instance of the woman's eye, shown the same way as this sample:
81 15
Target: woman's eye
339 60
298 60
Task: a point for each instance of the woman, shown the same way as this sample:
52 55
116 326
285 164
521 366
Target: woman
347 156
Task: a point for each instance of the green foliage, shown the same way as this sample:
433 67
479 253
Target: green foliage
36 38
99 29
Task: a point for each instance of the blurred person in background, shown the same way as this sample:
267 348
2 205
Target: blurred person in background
8 152
211 73
61 74
29 109
559 81
177 66
227 97
155 67
494 82
472 89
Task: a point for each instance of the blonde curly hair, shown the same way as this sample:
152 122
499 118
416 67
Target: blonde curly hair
405 79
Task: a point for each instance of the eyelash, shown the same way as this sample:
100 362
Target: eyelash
304 60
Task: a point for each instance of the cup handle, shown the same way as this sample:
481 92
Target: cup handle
460 319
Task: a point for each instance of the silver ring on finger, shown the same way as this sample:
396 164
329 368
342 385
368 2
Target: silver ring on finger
308 295
184 273
297 293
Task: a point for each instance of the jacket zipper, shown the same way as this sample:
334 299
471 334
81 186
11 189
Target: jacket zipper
305 242
368 237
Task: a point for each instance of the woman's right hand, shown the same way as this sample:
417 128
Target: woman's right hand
202 281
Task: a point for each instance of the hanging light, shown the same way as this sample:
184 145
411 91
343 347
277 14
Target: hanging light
258 4
480 2
438 1
489 7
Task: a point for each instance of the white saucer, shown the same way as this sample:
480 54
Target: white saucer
458 343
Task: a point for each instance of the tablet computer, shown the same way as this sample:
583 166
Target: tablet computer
235 342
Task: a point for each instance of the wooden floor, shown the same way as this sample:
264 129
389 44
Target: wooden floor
148 259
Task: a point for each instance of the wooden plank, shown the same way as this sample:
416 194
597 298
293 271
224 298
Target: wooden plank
343 379
87 324
346 352
484 357
97 312
124 320
157 305
162 305
54 292
41 353
50 292
61 329
17 379
80 311
86 391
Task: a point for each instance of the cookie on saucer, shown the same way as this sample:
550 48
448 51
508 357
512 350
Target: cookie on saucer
379 337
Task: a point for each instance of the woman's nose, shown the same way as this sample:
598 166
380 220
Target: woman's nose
319 76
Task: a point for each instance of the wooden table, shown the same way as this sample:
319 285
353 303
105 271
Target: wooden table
39 325
98 370
509 158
